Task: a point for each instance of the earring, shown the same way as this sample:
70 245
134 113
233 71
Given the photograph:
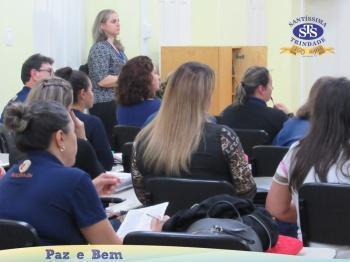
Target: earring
62 148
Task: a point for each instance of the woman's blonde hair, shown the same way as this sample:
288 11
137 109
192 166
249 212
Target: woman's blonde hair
52 89
168 142
98 34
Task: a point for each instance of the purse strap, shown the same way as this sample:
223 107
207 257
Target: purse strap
227 203
264 227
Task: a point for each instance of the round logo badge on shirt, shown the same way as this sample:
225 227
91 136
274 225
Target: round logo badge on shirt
24 166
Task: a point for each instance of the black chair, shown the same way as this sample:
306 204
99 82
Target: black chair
107 200
7 142
182 193
126 156
123 134
324 213
17 234
184 240
265 159
250 138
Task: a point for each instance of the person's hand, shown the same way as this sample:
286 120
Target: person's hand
282 107
105 184
157 224
2 172
79 127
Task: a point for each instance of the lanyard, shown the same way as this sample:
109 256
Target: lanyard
120 55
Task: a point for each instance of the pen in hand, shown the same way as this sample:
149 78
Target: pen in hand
112 215
152 216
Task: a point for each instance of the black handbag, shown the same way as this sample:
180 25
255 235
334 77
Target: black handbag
227 226
230 215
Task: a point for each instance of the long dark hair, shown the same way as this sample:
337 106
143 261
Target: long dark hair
327 143
304 111
252 78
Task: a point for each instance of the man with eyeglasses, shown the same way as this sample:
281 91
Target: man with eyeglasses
34 69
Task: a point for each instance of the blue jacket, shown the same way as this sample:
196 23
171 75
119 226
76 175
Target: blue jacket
293 130
97 136
21 96
136 115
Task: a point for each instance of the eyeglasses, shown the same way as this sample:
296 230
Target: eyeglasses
49 70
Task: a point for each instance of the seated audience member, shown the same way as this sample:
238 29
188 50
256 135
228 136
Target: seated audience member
138 83
35 68
59 201
180 141
59 90
322 156
295 128
159 94
250 111
83 99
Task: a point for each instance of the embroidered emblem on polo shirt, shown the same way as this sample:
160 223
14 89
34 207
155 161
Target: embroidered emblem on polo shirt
25 166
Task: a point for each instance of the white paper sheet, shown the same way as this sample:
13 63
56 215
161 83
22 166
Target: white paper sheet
140 219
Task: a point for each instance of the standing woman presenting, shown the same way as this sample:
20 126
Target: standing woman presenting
106 59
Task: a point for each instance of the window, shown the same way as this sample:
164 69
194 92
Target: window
59 31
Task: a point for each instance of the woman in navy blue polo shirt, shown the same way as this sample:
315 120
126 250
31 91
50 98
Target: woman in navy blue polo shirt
59 201
84 99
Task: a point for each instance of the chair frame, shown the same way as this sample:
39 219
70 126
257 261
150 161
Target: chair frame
118 140
324 213
184 240
6 140
250 138
126 156
265 159
172 191
17 234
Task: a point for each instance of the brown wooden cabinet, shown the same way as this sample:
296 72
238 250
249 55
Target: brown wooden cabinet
229 64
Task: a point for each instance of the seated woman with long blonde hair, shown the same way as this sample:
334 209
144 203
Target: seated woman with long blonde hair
180 141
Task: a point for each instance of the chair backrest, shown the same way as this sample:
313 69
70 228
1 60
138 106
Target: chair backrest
17 234
250 138
7 141
123 134
182 193
324 213
126 156
265 159
184 240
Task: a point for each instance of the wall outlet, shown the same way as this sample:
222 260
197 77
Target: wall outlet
8 36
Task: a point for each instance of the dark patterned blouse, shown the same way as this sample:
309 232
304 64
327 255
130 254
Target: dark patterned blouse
236 163
104 60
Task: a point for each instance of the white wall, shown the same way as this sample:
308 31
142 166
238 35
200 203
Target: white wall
337 34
